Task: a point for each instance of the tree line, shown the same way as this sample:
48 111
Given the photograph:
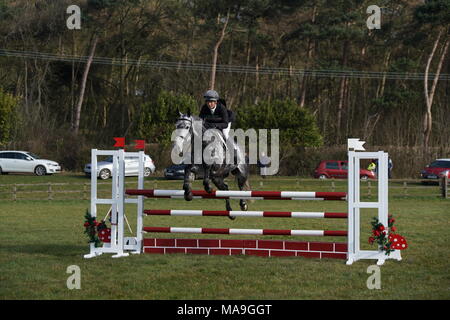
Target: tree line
310 68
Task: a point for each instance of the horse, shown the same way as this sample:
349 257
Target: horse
188 132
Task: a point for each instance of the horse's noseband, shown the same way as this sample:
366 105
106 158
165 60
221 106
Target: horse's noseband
184 123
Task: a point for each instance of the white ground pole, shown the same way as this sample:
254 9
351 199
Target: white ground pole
118 243
355 204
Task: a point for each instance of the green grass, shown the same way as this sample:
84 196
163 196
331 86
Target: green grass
40 239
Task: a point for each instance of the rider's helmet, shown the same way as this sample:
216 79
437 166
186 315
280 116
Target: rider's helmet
211 95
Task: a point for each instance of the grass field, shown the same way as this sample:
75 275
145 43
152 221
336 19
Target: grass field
40 239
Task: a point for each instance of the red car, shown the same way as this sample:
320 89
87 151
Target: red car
338 170
432 171
445 173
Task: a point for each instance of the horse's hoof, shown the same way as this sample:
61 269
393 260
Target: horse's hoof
244 207
231 217
188 196
208 189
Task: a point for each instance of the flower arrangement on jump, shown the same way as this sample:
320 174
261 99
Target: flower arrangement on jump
387 243
97 232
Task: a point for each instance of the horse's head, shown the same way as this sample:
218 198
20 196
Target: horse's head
183 131
189 124
184 121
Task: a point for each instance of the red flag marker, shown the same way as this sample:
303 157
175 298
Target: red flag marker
140 144
120 142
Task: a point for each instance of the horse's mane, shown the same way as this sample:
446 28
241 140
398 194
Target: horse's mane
196 118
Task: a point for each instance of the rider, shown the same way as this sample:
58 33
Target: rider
214 113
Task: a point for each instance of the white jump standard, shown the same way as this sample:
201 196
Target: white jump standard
119 243
122 246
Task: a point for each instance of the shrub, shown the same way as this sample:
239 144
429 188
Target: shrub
157 117
297 125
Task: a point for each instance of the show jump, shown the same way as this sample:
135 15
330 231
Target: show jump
120 245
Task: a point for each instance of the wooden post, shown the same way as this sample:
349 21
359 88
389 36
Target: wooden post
405 188
333 186
49 191
85 191
444 186
14 192
369 188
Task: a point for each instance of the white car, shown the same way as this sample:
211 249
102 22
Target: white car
104 168
26 162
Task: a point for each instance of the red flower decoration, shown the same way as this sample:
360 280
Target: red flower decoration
398 242
387 244
105 235
93 229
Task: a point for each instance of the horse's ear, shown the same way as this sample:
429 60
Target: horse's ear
179 114
189 112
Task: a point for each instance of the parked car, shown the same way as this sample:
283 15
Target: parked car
26 162
104 168
176 172
338 170
432 171
445 173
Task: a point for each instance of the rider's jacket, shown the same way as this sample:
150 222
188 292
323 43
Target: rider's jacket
218 119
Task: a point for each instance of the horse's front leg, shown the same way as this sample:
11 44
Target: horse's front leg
187 184
221 185
242 180
206 178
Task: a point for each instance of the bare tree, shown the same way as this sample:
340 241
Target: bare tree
76 124
309 51
212 82
429 94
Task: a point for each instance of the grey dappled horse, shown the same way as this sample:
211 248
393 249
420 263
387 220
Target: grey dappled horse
190 130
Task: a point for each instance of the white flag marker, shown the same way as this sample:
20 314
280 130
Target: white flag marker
355 144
